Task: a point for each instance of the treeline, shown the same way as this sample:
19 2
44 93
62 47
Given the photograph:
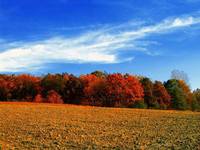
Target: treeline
100 89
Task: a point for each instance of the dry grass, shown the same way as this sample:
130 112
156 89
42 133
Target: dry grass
46 126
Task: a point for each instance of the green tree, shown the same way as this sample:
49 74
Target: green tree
177 94
196 100
196 93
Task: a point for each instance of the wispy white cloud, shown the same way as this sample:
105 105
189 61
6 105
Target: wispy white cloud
99 46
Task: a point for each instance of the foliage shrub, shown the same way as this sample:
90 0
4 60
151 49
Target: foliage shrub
139 104
54 97
38 98
154 105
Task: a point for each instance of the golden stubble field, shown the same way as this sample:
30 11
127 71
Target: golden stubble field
47 126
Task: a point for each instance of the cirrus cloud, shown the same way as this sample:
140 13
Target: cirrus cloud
97 46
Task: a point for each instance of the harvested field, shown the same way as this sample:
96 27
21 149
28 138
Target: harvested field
48 126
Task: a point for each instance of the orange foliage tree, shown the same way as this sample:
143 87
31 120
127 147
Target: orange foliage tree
187 92
26 87
94 89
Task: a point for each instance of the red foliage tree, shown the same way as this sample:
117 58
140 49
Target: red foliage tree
54 97
93 89
148 91
123 90
161 95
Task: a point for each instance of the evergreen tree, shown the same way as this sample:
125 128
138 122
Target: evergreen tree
177 94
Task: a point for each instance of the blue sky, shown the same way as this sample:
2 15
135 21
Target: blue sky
147 37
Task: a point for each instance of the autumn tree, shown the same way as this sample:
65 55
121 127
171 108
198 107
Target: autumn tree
94 89
148 92
101 89
161 95
122 90
187 92
54 82
73 90
26 87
